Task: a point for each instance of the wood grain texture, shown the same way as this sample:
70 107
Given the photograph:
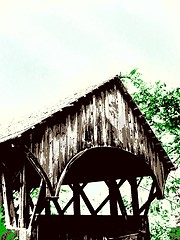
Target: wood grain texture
104 118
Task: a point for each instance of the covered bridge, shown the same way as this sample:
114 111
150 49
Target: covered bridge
97 135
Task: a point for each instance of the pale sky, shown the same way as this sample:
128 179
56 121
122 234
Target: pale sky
50 49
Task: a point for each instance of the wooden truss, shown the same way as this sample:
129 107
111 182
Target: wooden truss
21 211
114 198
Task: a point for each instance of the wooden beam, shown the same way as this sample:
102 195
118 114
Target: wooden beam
140 180
6 188
12 211
134 193
112 197
76 195
67 205
121 204
151 197
22 199
102 204
30 202
72 199
86 201
40 205
5 202
119 198
35 163
107 198
47 207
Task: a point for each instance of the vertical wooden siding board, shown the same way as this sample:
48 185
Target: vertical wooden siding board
99 120
71 136
62 143
111 118
128 128
108 142
74 134
83 129
79 123
137 138
71 142
95 120
120 117
112 96
60 157
147 149
90 131
91 123
87 129
115 113
104 137
101 137
86 107
55 149
65 143
50 157
132 131
141 135
68 137
124 132
46 151
150 152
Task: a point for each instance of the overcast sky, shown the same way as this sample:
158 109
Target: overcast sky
51 48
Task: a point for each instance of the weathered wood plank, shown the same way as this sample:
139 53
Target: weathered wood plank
105 118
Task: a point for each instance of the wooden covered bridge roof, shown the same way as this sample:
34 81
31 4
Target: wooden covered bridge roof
101 123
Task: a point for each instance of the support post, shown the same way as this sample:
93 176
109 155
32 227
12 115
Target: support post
12 212
5 201
48 207
40 205
134 193
77 207
113 197
22 199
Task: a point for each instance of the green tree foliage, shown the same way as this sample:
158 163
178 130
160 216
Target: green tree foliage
161 107
3 229
4 232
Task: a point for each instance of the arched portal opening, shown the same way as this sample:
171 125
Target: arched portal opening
117 175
